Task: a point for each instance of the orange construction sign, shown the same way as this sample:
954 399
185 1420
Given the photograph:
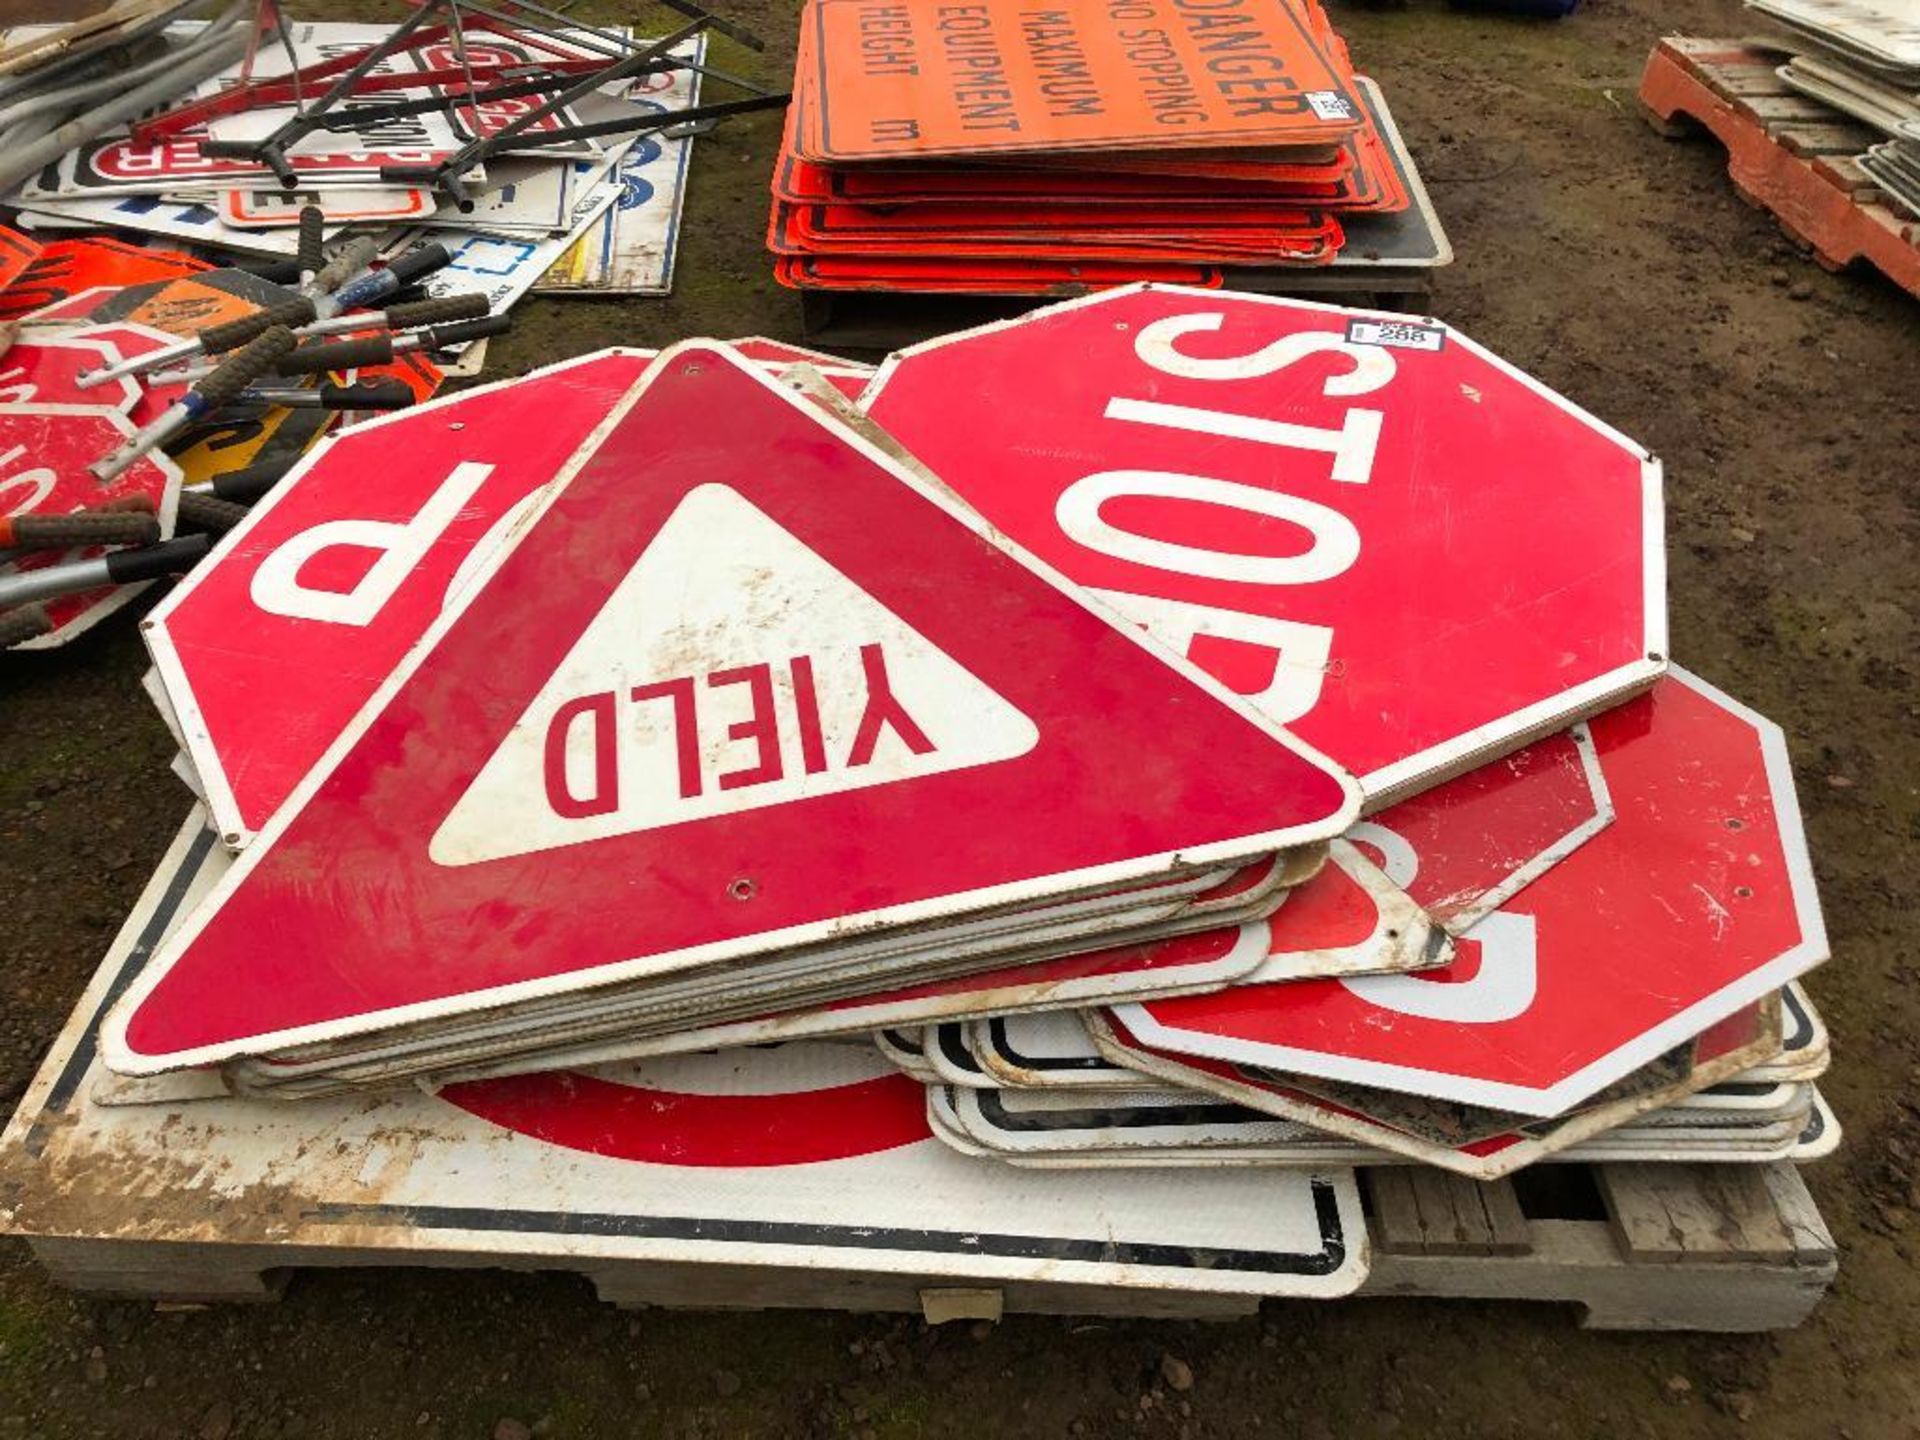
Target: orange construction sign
908 79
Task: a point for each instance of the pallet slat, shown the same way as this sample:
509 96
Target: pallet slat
1730 1249
1662 1214
1432 1212
1801 171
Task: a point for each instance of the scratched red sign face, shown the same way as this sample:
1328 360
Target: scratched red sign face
1694 903
270 651
1484 836
695 675
1395 543
45 371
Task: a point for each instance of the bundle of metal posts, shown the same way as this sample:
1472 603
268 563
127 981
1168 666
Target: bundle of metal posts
356 209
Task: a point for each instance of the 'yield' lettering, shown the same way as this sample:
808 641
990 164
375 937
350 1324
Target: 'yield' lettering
708 752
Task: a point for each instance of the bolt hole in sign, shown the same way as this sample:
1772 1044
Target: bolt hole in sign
734 639
1395 543
1697 901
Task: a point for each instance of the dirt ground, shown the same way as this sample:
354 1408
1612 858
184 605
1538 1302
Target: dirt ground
1618 266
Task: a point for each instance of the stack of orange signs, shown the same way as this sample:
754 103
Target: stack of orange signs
1003 148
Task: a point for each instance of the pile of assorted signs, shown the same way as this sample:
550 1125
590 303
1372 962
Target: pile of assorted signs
354 202
997 149
544 156
1862 58
929 802
117 430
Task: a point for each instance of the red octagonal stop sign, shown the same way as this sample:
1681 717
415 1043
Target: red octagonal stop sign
1695 902
1405 549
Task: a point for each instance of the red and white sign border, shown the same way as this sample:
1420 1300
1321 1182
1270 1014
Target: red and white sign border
1486 742
1465 918
195 736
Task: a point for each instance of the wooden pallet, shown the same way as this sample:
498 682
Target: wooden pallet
1725 1248
1787 153
1637 1247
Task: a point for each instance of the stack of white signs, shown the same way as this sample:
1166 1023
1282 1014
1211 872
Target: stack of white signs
595 214
1251 745
1862 57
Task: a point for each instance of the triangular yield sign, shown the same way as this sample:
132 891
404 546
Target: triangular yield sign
804 685
426 868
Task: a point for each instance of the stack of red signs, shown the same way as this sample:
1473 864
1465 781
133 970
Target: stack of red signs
658 704
1418 559
726 712
996 149
734 758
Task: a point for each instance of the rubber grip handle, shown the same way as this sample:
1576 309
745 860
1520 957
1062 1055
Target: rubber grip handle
415 263
342 355
367 395
83 527
243 487
469 306
23 623
280 272
349 260
313 224
199 511
441 336
167 558
244 366
216 338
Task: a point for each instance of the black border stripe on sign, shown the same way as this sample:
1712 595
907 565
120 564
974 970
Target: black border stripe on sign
1200 1112
905 1042
1331 1255
1801 1036
1816 1127
997 1027
67 1083
952 1040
